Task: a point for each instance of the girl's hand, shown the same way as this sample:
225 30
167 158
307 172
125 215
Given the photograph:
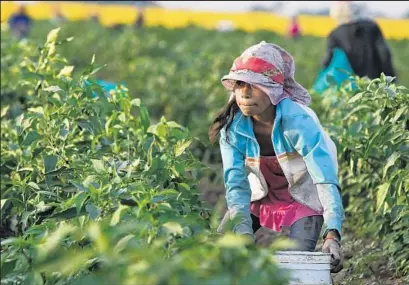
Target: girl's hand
333 246
265 237
243 228
246 230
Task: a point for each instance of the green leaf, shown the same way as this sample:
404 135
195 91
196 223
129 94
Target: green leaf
69 189
161 130
80 200
25 169
122 117
48 193
92 180
63 133
399 114
34 185
59 171
19 120
356 98
93 211
79 186
355 110
175 125
52 35
391 93
121 245
355 128
183 186
12 241
98 166
67 214
145 119
180 167
66 71
37 110
143 113
86 126
154 165
95 70
8 267
31 137
389 79
165 195
379 133
50 162
93 59
116 217
33 278
4 110
181 146
382 192
390 162
174 228
52 89
3 202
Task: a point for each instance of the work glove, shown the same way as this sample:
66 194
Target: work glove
333 246
241 227
244 229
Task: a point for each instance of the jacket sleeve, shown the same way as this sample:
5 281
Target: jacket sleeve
238 193
384 53
319 153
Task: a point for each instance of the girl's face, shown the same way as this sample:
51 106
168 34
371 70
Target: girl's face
251 101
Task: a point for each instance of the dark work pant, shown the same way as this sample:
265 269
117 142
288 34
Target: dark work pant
305 232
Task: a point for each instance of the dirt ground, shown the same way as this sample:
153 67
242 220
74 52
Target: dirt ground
358 269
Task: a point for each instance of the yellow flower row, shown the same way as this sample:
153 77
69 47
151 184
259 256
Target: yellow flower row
110 15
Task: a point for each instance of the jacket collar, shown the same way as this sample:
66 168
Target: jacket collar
244 124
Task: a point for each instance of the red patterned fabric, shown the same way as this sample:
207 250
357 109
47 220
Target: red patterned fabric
271 67
258 65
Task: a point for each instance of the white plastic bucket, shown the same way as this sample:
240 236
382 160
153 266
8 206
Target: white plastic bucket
312 268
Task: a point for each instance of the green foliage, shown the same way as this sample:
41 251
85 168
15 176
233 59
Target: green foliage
94 193
372 131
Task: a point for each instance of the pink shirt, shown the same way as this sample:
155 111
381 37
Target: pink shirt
278 208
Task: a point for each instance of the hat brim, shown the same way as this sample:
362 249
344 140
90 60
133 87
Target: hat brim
247 76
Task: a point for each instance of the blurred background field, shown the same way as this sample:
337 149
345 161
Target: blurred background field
111 14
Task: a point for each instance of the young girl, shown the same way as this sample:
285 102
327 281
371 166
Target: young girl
268 129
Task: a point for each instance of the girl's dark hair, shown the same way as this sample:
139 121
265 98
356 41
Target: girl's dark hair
224 118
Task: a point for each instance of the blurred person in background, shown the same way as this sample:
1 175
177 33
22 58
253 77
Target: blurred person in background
361 39
57 16
94 15
140 21
20 23
294 28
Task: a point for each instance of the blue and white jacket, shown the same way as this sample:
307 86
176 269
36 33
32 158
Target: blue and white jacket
307 155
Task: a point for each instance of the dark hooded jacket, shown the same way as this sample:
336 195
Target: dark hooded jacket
365 47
